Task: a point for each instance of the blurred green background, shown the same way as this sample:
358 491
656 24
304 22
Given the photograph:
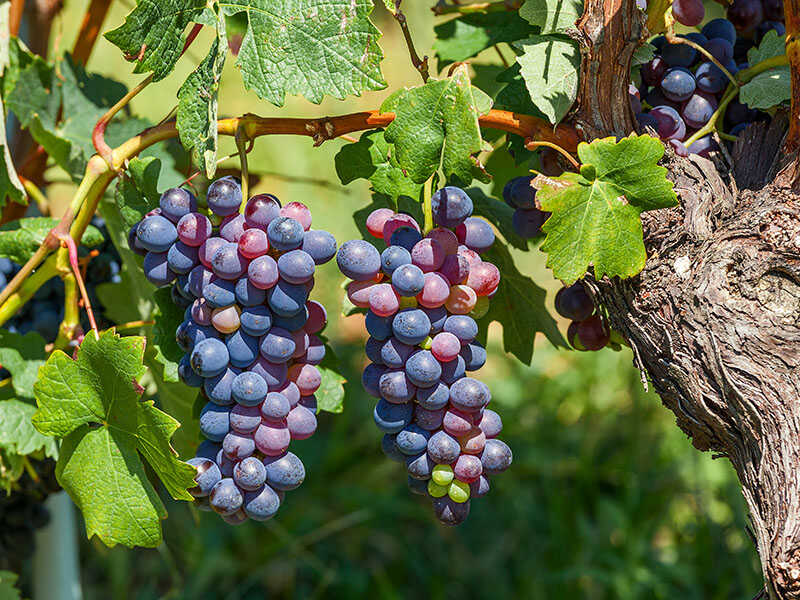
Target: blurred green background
606 498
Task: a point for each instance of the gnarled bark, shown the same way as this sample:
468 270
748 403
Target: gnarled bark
714 318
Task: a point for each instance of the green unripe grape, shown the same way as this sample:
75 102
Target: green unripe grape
442 475
458 491
408 302
426 343
436 490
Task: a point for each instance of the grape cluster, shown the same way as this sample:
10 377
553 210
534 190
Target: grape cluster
44 313
520 195
423 295
682 88
22 512
249 335
587 331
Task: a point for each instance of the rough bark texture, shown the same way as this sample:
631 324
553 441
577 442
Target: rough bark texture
714 318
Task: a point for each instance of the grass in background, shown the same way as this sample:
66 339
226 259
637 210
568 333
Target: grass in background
606 498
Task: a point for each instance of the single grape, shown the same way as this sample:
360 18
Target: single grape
262 504
232 228
253 243
451 206
263 272
250 474
299 212
445 346
320 245
383 300
422 369
225 497
214 421
277 345
296 266
484 278
182 258
710 78
688 12
285 233
433 398
224 196
237 446
392 418
358 260
592 333
218 388
405 237
468 468
247 294
678 55
473 441
261 210
242 348
228 263
306 377
496 457
316 351
445 238
194 229
245 419
435 291
412 439
522 194
286 472
396 387
256 320
207 250
177 202
443 448
528 223
156 269
420 466
669 123
720 28
272 438
408 280
653 71
302 423
678 84
377 219
476 234
461 299
219 293
574 303
287 299
410 326
469 395
429 420
208 475
317 317
156 233
697 110
428 255
745 15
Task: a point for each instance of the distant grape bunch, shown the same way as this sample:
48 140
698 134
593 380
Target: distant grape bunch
680 88
249 333
423 294
520 195
588 330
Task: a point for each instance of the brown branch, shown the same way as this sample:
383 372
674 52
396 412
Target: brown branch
15 16
420 64
90 29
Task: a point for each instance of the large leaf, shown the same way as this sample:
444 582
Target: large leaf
20 239
152 34
771 45
330 395
595 218
10 185
552 16
549 66
773 86
196 118
93 403
308 47
8 587
372 158
435 125
467 36
137 192
518 305
22 355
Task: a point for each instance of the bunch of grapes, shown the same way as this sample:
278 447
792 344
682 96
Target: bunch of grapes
249 335
588 330
682 88
44 313
520 195
423 294
22 512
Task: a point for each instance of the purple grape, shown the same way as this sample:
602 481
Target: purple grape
678 84
688 12
224 196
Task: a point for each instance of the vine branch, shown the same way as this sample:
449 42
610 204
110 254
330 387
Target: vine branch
442 8
90 28
420 64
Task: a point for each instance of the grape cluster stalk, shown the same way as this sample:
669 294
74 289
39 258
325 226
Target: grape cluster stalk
422 294
249 334
680 89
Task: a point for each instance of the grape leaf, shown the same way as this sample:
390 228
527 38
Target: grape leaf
8 587
549 66
595 218
767 89
643 54
518 305
196 118
17 433
498 214
20 239
177 400
372 158
469 35
136 192
435 125
552 16
152 34
330 395
168 316
37 99
771 45
308 47
10 185
93 403
22 355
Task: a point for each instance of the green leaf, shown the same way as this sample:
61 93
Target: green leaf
196 118
435 125
17 433
177 400
330 395
596 214
8 586
552 16
498 214
372 158
549 66
518 305
22 355
152 34
308 47
643 54
93 403
20 239
168 316
10 185
771 45
37 100
467 36
767 89
136 192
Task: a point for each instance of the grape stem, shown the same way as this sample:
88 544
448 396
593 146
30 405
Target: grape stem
531 144
34 192
71 321
241 140
99 174
90 28
674 39
133 325
420 64
427 206
72 249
